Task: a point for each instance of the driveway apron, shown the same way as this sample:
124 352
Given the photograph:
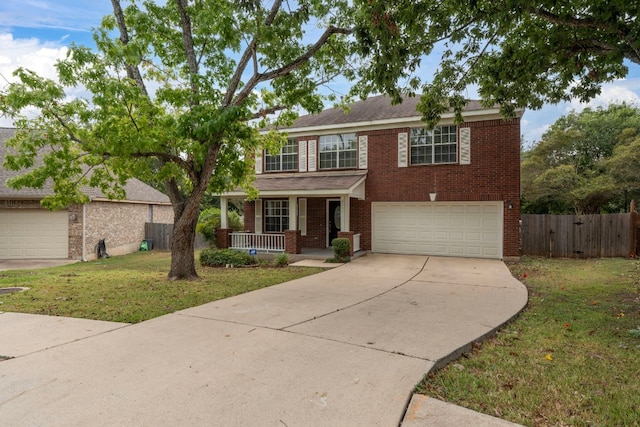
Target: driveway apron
341 348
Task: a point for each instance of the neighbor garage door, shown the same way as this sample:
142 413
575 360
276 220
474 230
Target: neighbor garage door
33 233
465 229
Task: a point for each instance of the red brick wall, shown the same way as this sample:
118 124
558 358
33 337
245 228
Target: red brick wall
249 214
316 223
292 242
493 175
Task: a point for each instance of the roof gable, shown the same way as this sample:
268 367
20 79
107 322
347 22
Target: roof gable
136 190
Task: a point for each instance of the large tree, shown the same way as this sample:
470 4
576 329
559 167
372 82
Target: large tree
517 53
176 93
585 163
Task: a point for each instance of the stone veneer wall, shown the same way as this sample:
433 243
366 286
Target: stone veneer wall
121 224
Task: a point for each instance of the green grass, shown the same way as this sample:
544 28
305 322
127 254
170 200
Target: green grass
130 288
568 359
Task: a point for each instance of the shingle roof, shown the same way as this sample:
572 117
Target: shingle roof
136 190
308 182
345 182
371 109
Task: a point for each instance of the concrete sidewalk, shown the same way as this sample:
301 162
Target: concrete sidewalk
341 348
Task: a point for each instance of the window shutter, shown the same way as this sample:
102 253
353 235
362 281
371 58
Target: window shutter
302 216
312 155
465 146
258 224
362 151
402 150
302 156
259 163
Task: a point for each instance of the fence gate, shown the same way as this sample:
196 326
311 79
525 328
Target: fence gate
579 236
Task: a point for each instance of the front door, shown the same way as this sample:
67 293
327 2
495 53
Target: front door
334 219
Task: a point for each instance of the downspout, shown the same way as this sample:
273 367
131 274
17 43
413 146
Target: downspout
84 232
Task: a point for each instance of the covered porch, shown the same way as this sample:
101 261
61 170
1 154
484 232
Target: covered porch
295 211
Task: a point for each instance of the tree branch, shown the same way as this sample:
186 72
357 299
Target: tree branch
248 54
187 40
556 19
166 157
66 127
288 68
132 70
622 31
266 111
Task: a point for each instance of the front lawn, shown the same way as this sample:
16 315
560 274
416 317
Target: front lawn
130 288
571 358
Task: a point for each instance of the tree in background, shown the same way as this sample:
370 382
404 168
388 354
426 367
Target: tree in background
585 163
518 53
176 93
209 220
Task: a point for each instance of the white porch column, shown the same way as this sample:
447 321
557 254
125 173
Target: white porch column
345 213
224 215
293 213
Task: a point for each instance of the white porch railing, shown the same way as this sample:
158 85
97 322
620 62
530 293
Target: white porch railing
356 242
260 242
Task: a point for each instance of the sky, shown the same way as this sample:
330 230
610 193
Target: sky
34 33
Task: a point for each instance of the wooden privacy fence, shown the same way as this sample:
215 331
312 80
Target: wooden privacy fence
162 234
581 236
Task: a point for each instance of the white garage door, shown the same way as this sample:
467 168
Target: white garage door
464 229
33 233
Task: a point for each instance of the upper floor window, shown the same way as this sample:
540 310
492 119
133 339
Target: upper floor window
338 151
285 160
439 145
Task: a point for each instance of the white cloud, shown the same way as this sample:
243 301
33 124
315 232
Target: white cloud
536 123
32 54
28 53
612 93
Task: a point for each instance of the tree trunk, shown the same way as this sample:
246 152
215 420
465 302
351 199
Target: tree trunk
183 266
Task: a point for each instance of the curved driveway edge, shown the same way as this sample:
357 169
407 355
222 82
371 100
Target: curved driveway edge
344 347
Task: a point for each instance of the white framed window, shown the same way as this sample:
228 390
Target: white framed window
285 160
436 146
276 216
338 151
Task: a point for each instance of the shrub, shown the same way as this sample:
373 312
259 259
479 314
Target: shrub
282 260
341 249
223 257
209 220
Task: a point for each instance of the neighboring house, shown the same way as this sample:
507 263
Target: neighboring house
29 231
375 175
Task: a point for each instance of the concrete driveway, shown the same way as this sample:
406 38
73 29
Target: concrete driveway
342 348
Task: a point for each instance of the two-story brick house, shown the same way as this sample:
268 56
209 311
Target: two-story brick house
377 176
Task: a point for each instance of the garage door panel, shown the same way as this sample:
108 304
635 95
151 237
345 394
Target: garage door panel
474 236
457 209
33 233
471 229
